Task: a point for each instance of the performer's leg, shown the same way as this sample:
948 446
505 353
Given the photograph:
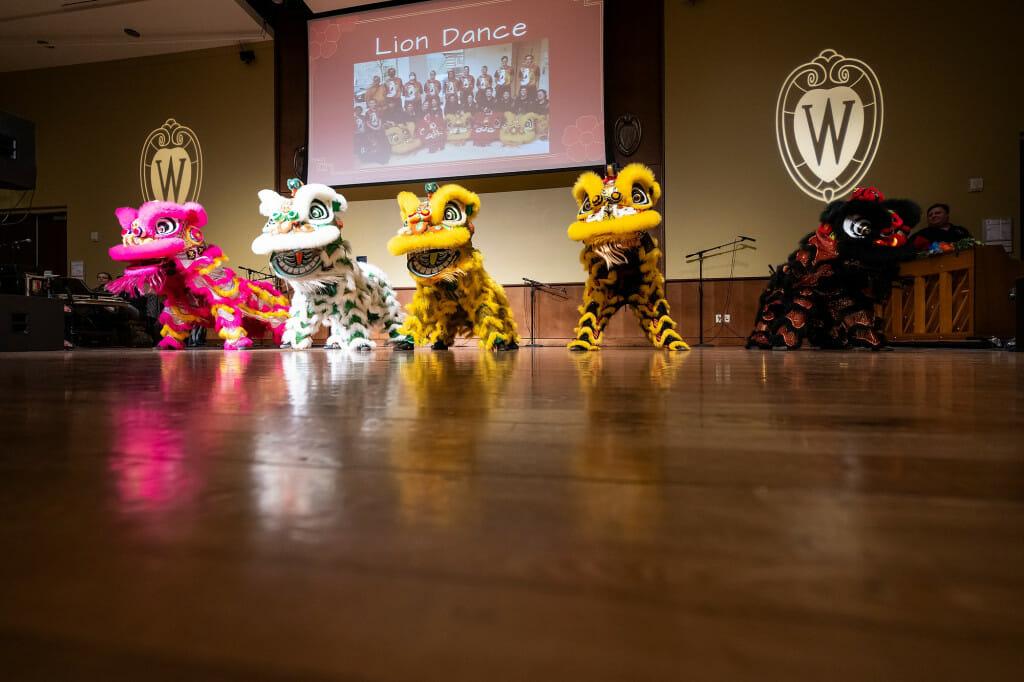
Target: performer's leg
598 307
301 324
177 323
492 319
228 323
388 312
652 312
348 330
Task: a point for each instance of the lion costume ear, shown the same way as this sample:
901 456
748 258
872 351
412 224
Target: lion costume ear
196 213
587 185
638 174
908 211
408 203
125 216
270 201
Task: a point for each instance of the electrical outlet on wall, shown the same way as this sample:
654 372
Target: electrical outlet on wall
975 184
727 317
718 318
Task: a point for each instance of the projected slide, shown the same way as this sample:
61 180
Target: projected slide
449 89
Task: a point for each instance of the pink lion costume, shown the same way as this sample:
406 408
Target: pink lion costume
163 244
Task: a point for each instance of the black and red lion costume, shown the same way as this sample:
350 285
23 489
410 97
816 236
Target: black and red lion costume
827 291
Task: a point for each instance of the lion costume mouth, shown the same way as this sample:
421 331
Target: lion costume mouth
296 263
432 262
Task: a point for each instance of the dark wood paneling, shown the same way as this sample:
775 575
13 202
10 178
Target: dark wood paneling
291 91
556 318
634 84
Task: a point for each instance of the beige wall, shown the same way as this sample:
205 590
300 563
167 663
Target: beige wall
952 78
92 120
951 112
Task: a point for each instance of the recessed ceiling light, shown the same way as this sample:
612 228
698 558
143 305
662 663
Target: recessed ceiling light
132 32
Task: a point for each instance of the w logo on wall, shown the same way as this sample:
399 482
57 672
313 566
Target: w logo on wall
828 123
171 167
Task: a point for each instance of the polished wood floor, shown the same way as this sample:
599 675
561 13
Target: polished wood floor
624 515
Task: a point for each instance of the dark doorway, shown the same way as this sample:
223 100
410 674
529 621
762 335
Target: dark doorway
31 242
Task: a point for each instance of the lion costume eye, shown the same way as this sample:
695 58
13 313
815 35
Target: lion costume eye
639 196
318 211
454 213
165 227
857 227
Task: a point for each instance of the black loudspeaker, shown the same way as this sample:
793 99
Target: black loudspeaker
30 323
17 153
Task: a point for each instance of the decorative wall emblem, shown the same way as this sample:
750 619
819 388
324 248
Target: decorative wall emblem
828 123
628 134
171 166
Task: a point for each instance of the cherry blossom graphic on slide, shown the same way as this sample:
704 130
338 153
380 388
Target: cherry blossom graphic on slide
323 39
584 140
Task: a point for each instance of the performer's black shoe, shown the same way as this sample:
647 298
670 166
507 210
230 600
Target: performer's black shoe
403 345
439 345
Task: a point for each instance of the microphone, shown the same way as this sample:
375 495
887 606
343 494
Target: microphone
746 239
532 281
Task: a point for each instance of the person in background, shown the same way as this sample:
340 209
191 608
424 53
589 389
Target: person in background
523 104
433 87
939 231
393 92
376 93
541 104
466 80
503 80
484 82
529 76
413 91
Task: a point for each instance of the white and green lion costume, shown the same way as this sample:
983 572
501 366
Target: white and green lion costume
302 236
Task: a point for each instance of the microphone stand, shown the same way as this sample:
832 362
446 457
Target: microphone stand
701 255
557 292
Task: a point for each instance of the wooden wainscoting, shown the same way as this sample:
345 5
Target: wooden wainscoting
554 318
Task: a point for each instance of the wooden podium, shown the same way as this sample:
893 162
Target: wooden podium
954 296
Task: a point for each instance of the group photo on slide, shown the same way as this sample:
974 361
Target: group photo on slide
453 106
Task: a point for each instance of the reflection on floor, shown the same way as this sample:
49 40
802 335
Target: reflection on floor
624 514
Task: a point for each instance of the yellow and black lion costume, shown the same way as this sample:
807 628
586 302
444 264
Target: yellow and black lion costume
620 256
827 291
454 294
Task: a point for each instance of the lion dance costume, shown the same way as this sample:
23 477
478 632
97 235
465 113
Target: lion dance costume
167 255
454 294
620 256
302 236
827 291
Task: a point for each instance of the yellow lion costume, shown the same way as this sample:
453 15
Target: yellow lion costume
620 256
454 294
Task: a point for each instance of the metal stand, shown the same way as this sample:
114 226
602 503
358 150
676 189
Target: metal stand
557 292
701 255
